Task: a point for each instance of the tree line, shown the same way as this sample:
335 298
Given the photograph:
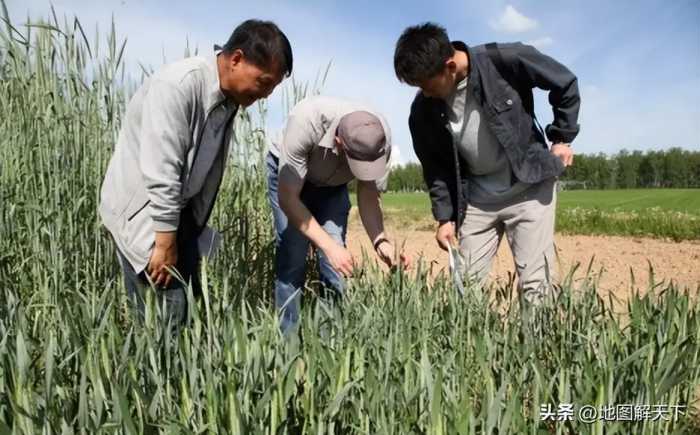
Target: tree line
672 168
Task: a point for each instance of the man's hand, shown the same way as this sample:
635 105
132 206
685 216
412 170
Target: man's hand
386 252
340 258
164 255
445 235
564 152
300 218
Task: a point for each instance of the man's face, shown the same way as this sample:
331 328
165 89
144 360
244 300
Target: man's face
245 82
442 84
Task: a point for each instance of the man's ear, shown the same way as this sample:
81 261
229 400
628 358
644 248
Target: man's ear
451 65
339 144
236 57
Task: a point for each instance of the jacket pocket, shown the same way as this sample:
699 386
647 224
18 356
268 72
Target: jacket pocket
137 231
503 103
133 214
136 204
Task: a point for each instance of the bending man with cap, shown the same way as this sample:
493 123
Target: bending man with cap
327 143
164 175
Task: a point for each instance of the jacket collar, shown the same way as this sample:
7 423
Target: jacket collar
328 139
474 75
474 86
213 96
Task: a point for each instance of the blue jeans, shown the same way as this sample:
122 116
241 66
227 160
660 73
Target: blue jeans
330 206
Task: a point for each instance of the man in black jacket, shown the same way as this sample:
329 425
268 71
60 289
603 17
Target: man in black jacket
486 162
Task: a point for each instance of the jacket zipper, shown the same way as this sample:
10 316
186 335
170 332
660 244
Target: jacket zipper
455 155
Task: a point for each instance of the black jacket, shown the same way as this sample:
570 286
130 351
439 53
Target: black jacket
507 107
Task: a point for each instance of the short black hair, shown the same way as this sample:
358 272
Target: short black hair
262 43
421 53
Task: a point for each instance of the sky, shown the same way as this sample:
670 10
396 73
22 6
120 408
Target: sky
637 62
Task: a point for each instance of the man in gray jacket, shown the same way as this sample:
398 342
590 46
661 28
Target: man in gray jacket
485 160
164 175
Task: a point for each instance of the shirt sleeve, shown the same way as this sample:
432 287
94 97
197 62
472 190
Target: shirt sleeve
297 143
434 174
163 143
548 74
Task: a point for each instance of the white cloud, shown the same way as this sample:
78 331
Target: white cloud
512 21
541 42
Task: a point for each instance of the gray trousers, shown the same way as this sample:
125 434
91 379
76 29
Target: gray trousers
527 220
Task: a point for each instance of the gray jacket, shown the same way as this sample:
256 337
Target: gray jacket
149 180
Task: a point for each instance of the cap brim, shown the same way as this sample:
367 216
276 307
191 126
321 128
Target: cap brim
368 171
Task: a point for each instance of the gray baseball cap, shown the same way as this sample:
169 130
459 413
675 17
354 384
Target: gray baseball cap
364 138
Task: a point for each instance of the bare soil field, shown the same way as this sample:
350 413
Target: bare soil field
615 260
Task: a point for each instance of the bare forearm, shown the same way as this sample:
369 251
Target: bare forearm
163 257
300 218
166 239
370 210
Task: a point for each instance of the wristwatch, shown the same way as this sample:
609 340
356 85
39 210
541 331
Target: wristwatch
379 241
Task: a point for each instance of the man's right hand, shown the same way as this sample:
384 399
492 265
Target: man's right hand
164 256
445 235
340 258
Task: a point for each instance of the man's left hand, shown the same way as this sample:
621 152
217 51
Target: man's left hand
564 152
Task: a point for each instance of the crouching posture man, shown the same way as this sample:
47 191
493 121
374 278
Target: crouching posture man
486 163
164 175
327 143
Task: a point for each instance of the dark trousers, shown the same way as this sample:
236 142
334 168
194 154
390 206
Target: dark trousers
172 298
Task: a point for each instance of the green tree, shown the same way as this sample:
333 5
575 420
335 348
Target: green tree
628 168
651 169
677 171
